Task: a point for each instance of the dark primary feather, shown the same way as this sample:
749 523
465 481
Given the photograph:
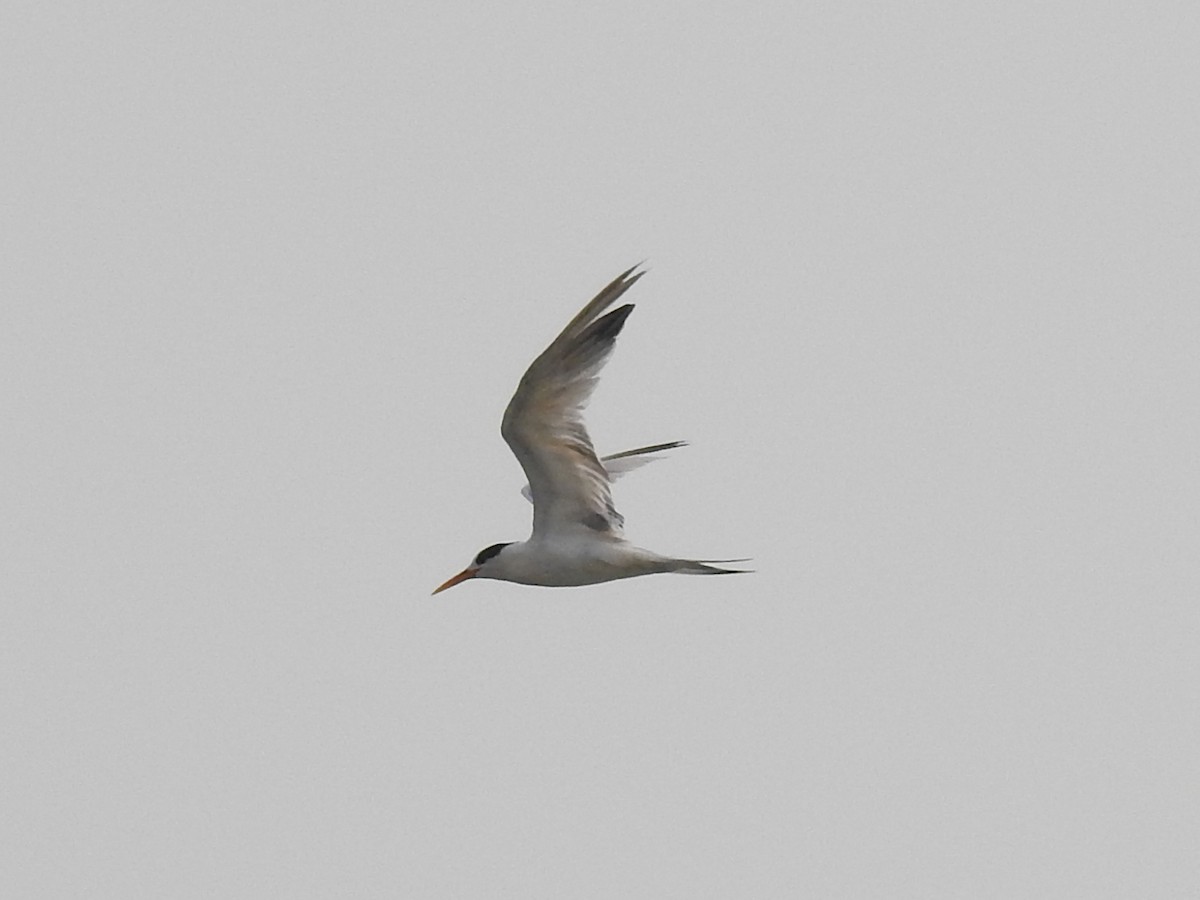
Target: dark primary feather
600 334
653 448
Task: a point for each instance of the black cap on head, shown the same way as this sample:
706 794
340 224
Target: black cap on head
488 552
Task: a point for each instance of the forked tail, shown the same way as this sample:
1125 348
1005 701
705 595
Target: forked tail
706 567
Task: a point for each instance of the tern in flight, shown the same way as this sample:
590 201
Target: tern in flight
577 532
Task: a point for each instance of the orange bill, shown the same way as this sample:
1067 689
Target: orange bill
457 579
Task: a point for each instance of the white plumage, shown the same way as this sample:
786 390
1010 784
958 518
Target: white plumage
578 535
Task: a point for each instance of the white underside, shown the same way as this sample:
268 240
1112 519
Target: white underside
570 564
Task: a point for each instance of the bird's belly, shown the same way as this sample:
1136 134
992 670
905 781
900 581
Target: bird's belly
573 569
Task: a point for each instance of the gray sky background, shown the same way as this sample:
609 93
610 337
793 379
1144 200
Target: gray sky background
922 297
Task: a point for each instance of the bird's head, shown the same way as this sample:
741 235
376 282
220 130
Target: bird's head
486 564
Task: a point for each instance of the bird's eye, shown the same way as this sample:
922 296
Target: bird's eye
488 553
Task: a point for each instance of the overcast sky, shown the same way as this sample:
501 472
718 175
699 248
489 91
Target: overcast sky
922 296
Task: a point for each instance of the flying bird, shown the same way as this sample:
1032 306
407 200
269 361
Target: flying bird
577 534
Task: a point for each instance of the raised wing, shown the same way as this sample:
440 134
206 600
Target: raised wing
618 464
543 423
